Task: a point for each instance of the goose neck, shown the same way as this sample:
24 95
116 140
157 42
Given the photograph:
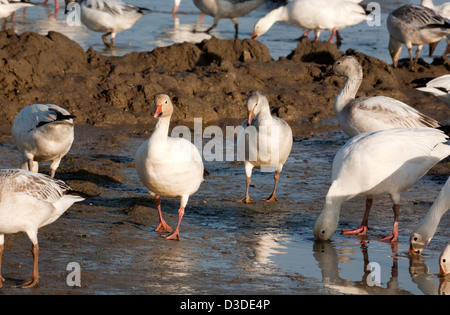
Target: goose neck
348 91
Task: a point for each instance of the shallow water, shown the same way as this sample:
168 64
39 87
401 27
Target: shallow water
233 248
160 28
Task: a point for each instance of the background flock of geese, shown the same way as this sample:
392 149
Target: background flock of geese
391 144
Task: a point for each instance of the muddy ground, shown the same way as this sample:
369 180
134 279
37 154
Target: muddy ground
111 233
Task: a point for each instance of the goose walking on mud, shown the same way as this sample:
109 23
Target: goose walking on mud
28 202
43 132
169 167
387 161
264 141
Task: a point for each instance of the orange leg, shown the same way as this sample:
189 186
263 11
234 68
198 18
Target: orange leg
176 233
162 227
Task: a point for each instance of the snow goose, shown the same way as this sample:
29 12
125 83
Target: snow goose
8 7
170 167
264 141
176 5
439 87
107 16
386 161
230 9
315 15
414 25
30 201
364 114
43 132
444 261
444 11
424 232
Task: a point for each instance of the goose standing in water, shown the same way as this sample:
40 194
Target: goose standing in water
424 232
107 16
227 9
28 202
387 161
43 132
169 167
318 15
265 140
365 114
414 25
8 7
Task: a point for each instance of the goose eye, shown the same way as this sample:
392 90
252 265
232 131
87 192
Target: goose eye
444 260
415 238
323 231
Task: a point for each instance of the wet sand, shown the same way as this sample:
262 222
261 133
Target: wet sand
226 247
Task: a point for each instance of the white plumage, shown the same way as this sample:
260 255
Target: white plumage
43 132
107 16
387 161
444 261
8 7
227 9
29 201
439 87
264 142
169 167
318 15
365 114
424 232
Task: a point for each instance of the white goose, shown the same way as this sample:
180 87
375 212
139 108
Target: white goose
264 142
176 5
8 7
424 232
43 132
386 161
318 15
170 167
227 9
444 261
439 87
30 201
364 114
107 16
414 25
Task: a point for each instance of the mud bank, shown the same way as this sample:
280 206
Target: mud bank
210 80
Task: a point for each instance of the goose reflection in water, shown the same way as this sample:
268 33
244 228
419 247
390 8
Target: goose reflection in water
329 257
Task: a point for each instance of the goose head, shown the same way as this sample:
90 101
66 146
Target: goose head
260 28
327 222
163 106
417 242
444 261
255 103
346 66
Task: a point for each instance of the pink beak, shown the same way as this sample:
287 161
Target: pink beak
254 35
251 116
329 73
158 111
